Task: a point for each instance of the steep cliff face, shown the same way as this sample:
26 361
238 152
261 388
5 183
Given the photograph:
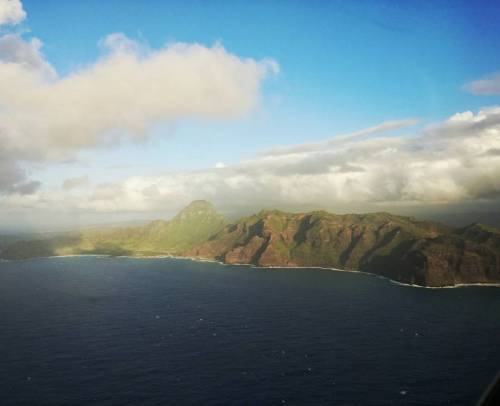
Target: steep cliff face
316 239
400 248
469 255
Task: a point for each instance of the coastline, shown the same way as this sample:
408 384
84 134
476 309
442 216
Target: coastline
195 259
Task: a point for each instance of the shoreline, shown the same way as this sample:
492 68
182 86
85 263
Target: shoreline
194 259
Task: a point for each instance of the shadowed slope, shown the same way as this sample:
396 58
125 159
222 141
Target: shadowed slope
401 248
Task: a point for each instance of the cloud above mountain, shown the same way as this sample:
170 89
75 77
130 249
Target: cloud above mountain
119 97
129 88
310 147
453 161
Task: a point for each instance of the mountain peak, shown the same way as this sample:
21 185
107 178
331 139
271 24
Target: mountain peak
200 204
198 207
400 248
198 210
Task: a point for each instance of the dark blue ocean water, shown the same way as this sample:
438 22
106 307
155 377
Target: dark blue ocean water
106 331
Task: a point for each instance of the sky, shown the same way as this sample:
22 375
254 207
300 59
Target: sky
122 110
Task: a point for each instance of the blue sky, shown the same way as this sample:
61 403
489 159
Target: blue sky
343 66
372 59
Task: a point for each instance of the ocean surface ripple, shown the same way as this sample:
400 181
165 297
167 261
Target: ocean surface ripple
124 331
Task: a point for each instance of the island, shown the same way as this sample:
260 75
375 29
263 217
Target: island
400 248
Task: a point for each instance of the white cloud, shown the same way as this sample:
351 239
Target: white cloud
454 161
44 117
74 183
18 53
489 85
11 12
378 129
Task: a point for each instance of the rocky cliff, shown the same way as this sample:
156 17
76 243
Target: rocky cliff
401 248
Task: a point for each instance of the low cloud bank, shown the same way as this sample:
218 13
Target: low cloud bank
452 162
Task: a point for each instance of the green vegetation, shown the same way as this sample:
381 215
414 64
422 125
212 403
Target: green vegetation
401 248
193 225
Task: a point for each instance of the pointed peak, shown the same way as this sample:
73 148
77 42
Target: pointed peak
200 202
199 205
197 209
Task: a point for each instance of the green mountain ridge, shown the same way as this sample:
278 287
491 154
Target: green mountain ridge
191 226
401 248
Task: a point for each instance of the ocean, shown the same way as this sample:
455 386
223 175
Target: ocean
124 331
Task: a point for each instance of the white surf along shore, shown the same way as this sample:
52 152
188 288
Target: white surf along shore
195 259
